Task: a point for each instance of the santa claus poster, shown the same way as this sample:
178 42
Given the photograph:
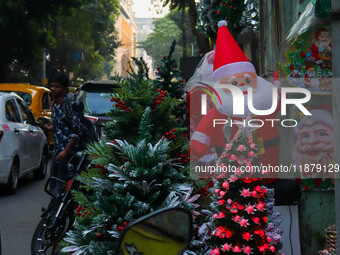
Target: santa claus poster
310 61
314 146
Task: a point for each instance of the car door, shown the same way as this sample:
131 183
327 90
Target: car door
33 134
16 131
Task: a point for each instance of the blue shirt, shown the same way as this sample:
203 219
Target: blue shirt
65 124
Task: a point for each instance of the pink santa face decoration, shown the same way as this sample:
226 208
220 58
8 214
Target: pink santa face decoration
314 142
242 80
324 37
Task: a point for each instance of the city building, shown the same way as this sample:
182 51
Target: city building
127 33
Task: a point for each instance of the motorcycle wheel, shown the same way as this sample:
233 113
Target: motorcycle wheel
45 241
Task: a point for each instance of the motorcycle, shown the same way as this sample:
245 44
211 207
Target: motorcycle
166 232
59 216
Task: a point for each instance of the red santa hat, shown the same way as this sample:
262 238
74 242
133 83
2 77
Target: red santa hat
229 58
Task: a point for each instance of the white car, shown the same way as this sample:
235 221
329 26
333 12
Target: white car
23 145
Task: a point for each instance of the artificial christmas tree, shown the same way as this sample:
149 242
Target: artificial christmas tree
241 203
140 169
238 14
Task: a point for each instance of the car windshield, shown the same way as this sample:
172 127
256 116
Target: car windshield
25 96
95 103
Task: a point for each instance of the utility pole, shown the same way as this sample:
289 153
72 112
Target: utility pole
334 14
44 69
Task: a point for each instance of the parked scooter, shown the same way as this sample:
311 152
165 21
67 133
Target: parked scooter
166 232
58 218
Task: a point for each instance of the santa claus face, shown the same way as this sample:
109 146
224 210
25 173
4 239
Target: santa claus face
324 37
241 80
315 144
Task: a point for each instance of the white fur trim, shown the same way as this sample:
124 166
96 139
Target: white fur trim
222 23
233 68
208 158
319 116
200 137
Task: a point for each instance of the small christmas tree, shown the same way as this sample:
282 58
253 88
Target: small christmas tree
241 204
140 169
168 80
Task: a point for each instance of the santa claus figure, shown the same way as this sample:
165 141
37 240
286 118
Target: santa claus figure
310 80
322 47
314 139
232 67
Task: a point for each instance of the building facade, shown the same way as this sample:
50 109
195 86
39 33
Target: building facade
127 31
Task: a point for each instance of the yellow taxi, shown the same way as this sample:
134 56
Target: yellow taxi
37 99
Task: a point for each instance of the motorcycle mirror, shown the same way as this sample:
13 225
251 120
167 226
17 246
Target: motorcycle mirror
77 106
166 232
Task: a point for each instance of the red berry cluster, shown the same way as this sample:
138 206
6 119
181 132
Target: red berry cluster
120 228
81 211
120 104
185 135
159 98
204 192
103 170
170 134
183 158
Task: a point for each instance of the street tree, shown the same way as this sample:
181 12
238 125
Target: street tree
202 40
159 41
23 35
85 41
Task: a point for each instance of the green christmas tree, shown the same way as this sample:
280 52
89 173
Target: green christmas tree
241 205
142 167
211 12
168 80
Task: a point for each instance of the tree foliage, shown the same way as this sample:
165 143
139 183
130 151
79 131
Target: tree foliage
23 34
240 15
138 172
77 35
86 39
159 41
202 41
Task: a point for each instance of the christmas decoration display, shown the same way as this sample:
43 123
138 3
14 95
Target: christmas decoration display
242 206
201 83
210 12
142 166
232 67
168 81
330 241
310 66
310 53
314 146
250 18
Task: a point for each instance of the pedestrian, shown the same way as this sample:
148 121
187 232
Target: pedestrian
65 126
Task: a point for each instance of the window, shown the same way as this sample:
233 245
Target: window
27 115
12 113
46 101
26 96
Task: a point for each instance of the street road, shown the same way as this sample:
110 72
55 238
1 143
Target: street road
20 214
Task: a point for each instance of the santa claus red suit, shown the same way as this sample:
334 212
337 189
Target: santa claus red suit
231 66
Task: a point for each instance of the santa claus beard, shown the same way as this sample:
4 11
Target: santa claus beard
319 154
262 98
